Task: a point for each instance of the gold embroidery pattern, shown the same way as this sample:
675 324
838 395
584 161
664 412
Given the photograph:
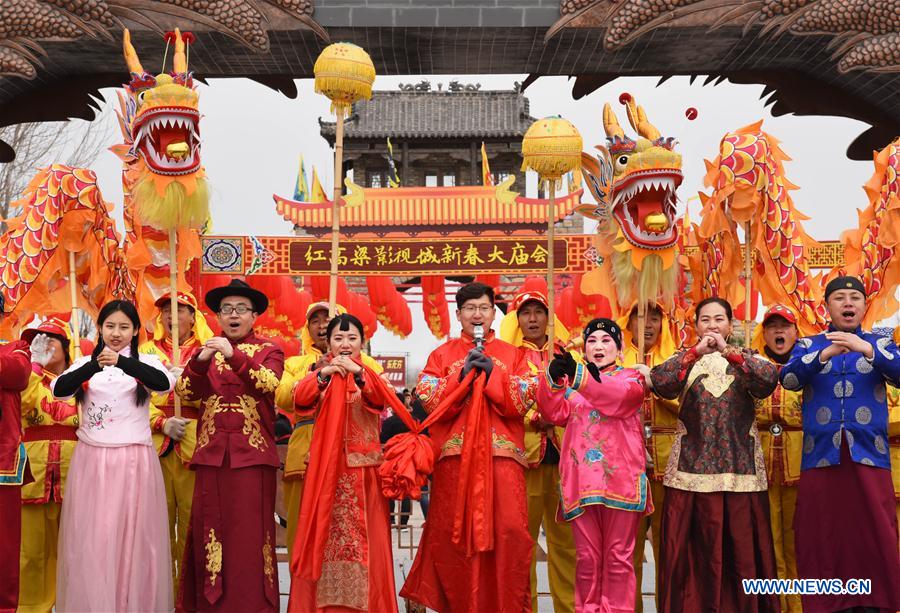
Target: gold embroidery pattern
183 388
344 581
266 381
208 421
251 422
251 349
714 366
268 566
221 364
213 557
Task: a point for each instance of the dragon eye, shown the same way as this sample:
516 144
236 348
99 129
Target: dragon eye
621 161
140 96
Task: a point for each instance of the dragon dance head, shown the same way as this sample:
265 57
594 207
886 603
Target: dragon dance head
161 121
645 174
634 183
165 129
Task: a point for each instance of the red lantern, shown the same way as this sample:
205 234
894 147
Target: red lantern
435 307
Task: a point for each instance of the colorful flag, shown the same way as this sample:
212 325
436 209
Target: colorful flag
317 193
486 177
301 189
393 177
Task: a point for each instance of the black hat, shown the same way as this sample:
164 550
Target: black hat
845 282
236 288
608 326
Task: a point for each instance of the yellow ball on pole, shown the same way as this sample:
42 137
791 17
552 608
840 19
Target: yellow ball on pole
552 147
344 74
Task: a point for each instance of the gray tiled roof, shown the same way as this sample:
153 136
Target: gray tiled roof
436 114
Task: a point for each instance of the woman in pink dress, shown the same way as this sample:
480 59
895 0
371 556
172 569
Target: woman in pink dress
114 534
603 484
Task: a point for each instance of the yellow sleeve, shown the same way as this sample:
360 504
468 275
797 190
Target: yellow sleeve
372 363
295 368
156 400
31 395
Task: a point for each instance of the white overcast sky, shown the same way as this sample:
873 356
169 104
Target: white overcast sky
253 137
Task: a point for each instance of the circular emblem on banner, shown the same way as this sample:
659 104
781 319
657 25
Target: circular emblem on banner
222 255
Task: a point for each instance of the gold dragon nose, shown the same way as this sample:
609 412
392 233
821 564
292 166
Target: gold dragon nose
179 151
656 222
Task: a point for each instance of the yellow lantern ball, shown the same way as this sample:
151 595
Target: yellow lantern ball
552 147
344 73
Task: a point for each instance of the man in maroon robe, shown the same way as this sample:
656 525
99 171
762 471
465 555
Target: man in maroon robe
230 560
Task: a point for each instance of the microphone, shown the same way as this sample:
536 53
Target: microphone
478 335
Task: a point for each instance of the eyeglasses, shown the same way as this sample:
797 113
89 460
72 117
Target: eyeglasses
484 309
241 309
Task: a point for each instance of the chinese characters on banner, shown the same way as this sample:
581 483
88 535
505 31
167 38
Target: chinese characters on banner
435 256
394 367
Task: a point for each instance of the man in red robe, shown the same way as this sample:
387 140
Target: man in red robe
15 368
475 552
229 562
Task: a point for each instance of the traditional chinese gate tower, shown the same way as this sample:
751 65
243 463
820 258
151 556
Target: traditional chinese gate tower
436 135
437 141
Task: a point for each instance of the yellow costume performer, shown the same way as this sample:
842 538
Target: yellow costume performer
542 445
295 369
175 456
50 440
780 424
660 419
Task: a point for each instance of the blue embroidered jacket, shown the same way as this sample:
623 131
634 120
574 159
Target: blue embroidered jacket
846 395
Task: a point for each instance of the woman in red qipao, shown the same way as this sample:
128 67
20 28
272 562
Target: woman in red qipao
342 553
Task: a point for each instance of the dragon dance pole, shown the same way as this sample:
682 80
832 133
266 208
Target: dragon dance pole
344 73
76 318
748 279
551 147
335 214
642 321
551 235
173 306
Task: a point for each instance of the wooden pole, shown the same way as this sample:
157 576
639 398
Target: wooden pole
335 213
642 321
76 319
748 271
551 234
173 306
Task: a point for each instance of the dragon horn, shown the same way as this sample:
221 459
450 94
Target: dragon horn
638 120
611 124
179 62
131 56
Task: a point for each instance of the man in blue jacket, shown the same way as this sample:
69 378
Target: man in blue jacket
845 525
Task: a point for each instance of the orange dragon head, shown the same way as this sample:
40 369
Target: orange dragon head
641 178
160 120
634 183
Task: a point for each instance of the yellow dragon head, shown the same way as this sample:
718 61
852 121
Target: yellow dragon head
161 122
634 183
645 174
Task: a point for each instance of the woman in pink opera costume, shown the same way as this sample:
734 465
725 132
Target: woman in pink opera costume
603 483
114 534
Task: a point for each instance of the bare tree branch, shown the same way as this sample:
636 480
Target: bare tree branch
40 144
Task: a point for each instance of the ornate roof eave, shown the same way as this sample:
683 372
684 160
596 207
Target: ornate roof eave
433 206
